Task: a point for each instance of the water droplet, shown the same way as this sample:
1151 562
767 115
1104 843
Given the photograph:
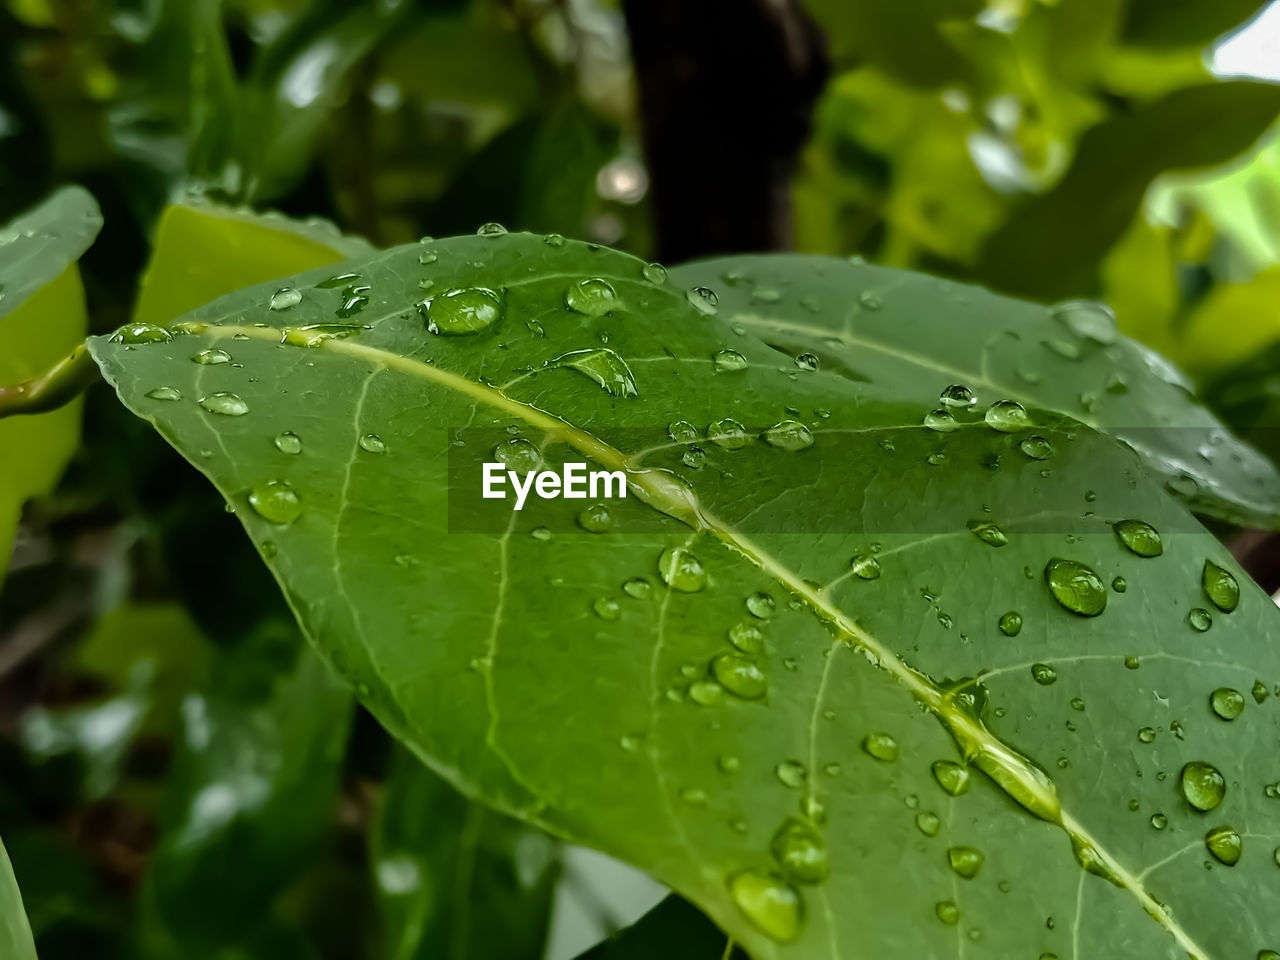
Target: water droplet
694 458
1225 845
428 257
682 431
773 906
947 912
607 608
275 501
226 404
138 333
1202 785
340 280
728 434
761 605
212 357
740 675
881 746
957 395
988 532
800 852
1036 448
288 442
746 637
553 240
788 435
1147 734
602 365
728 361
1043 674
655 273
492 229
458 313
1011 623
372 443
681 570
285 297
518 454
1139 537
595 518
792 773
1220 587
1227 703
704 300
353 301
1159 821
940 421
865 567
1076 587
1007 416
1119 584
952 777
928 823
638 588
165 393
965 861
870 300
706 693
1199 619
1089 319
808 361
592 297
1259 691
1091 860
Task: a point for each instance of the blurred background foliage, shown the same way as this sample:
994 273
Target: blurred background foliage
178 775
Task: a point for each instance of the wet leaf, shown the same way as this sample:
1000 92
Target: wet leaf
709 685
15 933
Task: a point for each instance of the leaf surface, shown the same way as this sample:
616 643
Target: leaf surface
733 724
914 335
42 317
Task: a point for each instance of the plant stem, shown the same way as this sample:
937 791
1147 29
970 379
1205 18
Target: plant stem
58 385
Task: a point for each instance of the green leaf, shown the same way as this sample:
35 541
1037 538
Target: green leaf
784 705
455 879
1159 23
674 929
42 317
254 787
914 335
202 251
1048 249
15 932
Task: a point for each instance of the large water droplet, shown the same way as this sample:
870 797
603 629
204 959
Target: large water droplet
1011 623
788 435
372 443
518 454
747 637
728 361
138 333
638 588
606 368
1200 619
226 404
212 357
459 313
800 852
1007 416
882 746
595 518
165 393
1220 587
965 861
655 273
952 777
1076 587
762 605
592 297
1225 845
1140 537
1202 785
792 773
947 912
740 675
940 421
773 906
1090 319
704 300
1043 674
681 570
285 297
1036 448
865 566
275 501
728 434
288 442
1227 703
928 823
493 229
957 395
988 532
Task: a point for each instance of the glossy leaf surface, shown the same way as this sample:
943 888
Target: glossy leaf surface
851 684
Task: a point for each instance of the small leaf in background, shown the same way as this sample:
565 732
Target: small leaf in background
42 317
15 932
455 879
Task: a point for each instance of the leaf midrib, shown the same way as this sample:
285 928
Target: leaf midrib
667 495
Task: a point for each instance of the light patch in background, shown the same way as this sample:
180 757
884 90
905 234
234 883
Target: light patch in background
1253 51
596 895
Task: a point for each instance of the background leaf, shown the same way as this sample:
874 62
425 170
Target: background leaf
674 928
753 710
15 933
